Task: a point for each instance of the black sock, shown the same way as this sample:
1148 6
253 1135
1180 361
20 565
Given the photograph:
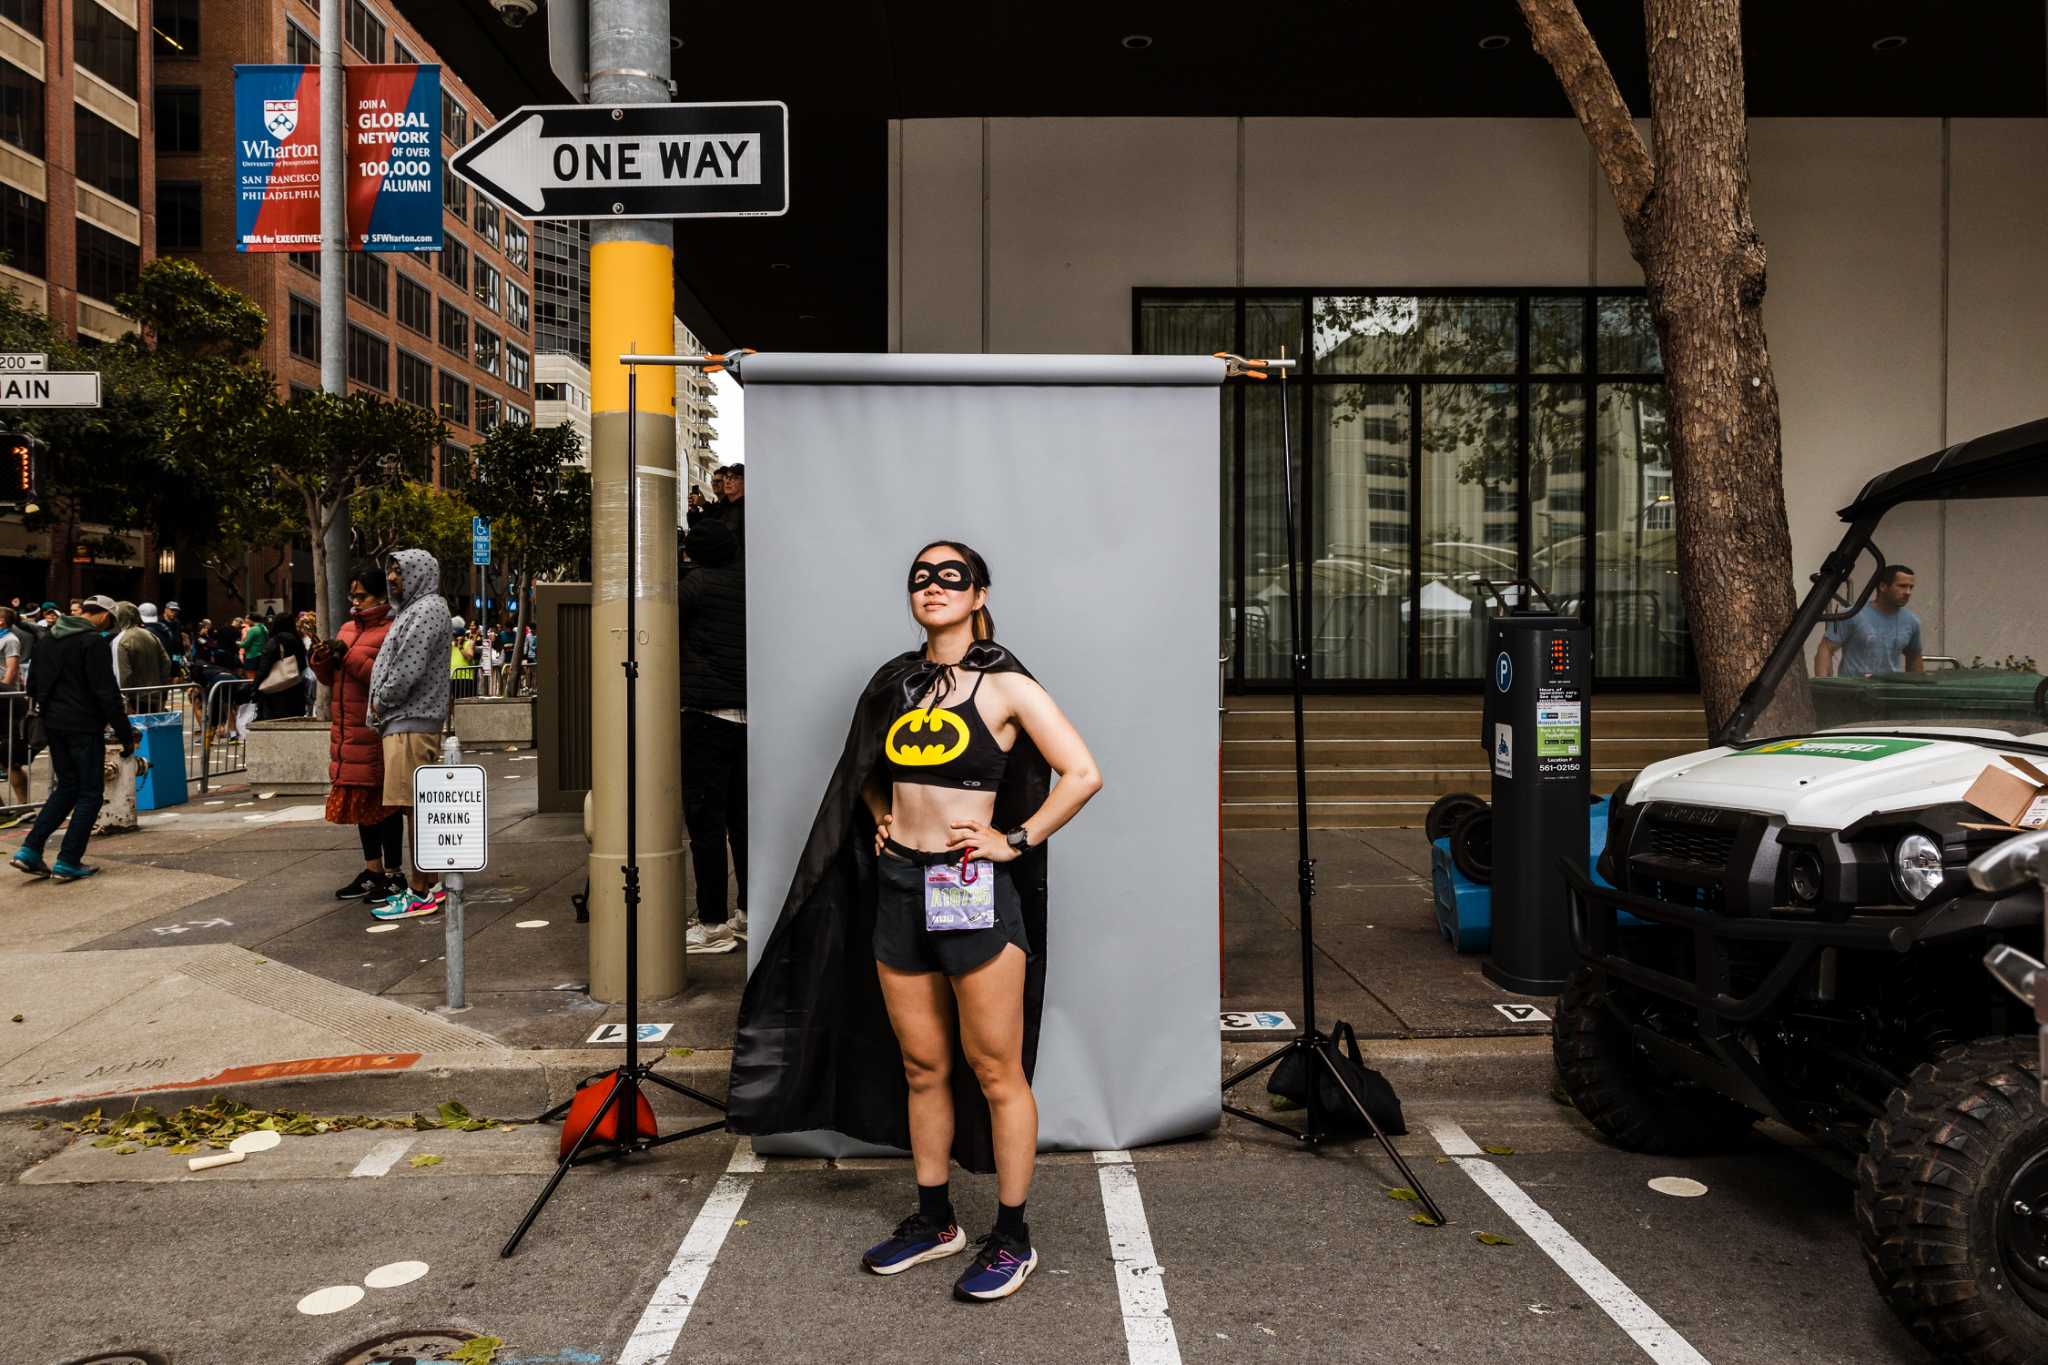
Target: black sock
1010 1223
935 1202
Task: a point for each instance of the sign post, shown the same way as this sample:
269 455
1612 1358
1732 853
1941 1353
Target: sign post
451 836
635 161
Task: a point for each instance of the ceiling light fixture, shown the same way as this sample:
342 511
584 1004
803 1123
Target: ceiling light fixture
1137 42
1890 43
778 265
1493 42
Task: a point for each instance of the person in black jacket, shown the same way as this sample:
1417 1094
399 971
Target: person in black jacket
283 643
73 688
712 602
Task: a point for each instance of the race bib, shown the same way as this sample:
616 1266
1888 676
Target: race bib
957 897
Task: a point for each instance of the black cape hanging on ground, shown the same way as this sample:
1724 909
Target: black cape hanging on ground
814 1046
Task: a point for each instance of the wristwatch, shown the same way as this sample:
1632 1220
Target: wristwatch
1019 838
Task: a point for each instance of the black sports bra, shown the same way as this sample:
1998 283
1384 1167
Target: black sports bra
945 746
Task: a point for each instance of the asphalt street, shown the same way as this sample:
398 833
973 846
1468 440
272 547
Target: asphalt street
1227 1248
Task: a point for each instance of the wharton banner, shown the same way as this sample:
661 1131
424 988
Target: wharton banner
394 158
393 116
277 151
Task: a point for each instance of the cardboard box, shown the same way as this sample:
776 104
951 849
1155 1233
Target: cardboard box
2018 799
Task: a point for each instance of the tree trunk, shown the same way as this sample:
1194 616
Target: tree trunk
1687 217
324 595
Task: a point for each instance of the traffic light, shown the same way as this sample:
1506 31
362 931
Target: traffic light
19 451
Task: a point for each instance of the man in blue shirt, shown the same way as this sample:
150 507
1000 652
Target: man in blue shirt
1884 637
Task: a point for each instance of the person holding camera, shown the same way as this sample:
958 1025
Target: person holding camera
76 699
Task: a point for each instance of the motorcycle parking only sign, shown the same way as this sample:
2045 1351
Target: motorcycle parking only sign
450 831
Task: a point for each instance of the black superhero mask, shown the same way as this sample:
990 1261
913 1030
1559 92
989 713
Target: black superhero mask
951 574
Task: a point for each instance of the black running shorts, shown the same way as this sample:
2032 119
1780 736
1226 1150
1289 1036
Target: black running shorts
902 941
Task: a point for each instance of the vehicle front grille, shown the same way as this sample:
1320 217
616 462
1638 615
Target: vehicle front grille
1694 844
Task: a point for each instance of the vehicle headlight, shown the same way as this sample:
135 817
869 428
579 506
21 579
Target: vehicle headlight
1805 879
1916 867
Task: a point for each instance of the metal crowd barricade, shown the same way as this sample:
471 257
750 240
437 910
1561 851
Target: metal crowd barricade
13 749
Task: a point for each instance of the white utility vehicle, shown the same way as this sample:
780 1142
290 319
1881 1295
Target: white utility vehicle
1811 944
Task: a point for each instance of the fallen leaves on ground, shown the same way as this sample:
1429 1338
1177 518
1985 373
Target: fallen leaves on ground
681 1051
221 1120
478 1350
424 1159
1492 1239
1403 1193
1497 1149
1424 1219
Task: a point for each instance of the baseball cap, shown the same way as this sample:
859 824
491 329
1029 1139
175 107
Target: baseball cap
49 606
98 603
172 606
148 611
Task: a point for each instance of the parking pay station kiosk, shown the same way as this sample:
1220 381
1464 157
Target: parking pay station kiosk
1535 728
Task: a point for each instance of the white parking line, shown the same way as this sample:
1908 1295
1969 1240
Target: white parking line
1140 1282
1657 1337
661 1322
383 1156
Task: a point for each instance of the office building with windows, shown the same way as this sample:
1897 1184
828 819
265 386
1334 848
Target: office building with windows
450 331
77 158
696 420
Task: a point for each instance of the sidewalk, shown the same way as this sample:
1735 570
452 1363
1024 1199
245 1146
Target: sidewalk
210 953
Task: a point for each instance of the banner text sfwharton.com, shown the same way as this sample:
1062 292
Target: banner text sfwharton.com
394 168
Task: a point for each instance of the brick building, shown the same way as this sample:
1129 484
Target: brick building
449 331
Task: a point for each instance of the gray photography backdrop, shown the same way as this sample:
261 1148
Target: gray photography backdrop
1089 485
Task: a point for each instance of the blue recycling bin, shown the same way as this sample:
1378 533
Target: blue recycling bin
163 748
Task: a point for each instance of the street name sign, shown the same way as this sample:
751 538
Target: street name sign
449 815
635 160
65 389
23 362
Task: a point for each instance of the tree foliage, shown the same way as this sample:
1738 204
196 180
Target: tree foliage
411 514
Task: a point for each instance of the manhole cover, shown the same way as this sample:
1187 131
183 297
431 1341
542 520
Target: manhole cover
407 1347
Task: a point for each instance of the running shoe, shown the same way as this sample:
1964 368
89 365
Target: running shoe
71 872
28 861
738 923
709 938
367 883
406 905
390 889
998 1270
914 1242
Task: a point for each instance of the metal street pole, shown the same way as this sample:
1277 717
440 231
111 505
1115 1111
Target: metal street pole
632 307
333 282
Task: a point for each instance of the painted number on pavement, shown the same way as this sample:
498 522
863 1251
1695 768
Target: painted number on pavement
1522 1014
1256 1021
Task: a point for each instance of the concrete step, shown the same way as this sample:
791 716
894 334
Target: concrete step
1612 720
1325 814
1381 784
1248 755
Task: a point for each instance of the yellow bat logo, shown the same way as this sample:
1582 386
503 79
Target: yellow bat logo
933 722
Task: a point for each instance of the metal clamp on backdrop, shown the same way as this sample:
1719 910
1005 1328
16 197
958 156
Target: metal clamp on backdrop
1240 367
711 363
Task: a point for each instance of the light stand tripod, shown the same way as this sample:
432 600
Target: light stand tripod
1316 1050
623 1099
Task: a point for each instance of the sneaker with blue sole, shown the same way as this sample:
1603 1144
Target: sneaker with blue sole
406 905
71 872
998 1270
914 1242
26 860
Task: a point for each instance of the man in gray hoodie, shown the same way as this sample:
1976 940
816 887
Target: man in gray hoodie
409 701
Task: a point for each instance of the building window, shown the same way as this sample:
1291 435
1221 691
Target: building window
104 45
486 412
1445 438
305 329
403 55
107 266
455 196
415 306
300 47
517 416
454 119
455 263
486 284
551 391
21 109
174 26
454 399
561 289
308 261
369 358
515 244
365 30
177 118
26 14
518 369
415 381
487 220
487 350
369 279
518 307
108 159
178 225
454 329
24 225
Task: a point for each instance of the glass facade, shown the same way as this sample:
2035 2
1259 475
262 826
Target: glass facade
561 288
105 45
21 109
1446 444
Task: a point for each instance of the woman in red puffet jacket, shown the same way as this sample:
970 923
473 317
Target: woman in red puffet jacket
355 754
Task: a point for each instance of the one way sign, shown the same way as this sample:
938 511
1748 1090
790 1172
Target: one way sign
635 161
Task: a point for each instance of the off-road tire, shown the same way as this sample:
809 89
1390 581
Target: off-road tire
1619 1090
1472 845
1446 811
1929 1193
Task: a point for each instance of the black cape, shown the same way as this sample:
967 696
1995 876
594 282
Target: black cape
814 1047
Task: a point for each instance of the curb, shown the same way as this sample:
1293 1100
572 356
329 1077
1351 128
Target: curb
509 1084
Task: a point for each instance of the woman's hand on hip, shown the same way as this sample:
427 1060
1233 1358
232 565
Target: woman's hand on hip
985 839
882 832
